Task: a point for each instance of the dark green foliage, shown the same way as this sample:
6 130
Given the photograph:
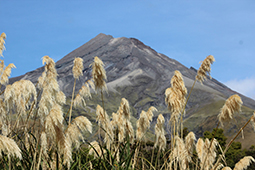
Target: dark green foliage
221 138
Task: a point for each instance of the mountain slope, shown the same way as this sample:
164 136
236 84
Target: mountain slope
141 75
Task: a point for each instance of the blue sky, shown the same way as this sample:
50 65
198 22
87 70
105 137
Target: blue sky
187 31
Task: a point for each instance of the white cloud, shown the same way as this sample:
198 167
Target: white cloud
245 86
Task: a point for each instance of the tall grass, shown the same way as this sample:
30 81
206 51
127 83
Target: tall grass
36 132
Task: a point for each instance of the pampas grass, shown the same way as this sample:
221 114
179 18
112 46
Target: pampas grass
75 130
2 42
142 124
6 74
205 68
244 163
77 67
104 122
160 133
10 147
232 104
83 93
98 74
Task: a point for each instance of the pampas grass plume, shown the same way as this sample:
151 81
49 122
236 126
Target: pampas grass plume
150 112
143 123
232 104
50 69
9 146
175 96
2 42
124 109
200 148
83 123
74 130
84 92
77 67
98 74
178 84
205 68
190 142
79 101
6 74
160 133
244 163
104 121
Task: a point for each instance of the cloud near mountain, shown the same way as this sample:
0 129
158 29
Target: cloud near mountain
244 86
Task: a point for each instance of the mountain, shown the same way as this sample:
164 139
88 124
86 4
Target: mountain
141 75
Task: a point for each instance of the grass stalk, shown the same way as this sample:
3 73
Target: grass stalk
70 113
10 165
157 160
39 159
185 107
152 157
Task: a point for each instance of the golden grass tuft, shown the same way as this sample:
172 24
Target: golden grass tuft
98 74
83 93
150 112
2 42
77 67
160 133
121 121
6 74
180 152
200 149
142 124
175 96
74 131
233 104
104 122
190 144
51 93
244 163
54 122
124 109
9 147
205 68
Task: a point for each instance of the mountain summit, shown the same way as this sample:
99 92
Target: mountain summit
141 75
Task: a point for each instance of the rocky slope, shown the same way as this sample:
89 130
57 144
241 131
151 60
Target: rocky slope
141 75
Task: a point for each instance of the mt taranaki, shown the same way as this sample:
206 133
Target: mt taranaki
141 75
